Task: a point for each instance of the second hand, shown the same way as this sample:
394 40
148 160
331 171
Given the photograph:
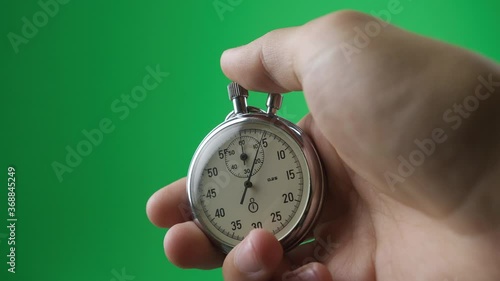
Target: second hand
248 183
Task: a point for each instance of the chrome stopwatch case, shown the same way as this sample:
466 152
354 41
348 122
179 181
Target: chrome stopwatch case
255 170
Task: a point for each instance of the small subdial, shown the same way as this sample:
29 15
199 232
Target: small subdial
241 153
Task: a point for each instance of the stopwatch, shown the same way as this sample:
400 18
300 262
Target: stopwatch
255 170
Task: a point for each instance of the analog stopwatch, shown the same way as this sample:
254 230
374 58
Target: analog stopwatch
255 170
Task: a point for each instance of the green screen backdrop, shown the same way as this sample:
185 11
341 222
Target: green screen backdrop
66 67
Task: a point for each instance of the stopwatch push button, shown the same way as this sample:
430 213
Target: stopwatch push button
238 95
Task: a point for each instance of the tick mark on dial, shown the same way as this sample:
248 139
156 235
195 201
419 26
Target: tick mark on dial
243 156
240 152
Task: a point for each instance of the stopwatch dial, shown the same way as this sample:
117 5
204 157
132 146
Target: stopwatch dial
241 155
268 194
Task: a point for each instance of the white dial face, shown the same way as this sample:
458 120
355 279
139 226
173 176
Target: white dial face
249 175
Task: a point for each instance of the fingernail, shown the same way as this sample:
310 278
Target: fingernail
245 257
303 274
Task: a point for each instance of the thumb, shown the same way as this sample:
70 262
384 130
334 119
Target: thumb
266 64
281 60
257 257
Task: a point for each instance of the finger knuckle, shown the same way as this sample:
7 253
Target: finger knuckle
346 17
337 25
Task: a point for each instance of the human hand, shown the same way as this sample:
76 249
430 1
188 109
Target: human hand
407 130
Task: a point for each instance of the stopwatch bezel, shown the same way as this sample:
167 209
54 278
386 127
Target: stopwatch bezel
316 177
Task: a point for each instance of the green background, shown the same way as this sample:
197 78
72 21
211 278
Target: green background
66 77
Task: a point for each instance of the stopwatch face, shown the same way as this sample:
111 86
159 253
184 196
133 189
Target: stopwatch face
249 175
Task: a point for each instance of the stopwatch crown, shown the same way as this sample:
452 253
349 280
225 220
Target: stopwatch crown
235 90
238 95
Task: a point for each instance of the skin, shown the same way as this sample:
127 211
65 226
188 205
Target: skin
440 223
